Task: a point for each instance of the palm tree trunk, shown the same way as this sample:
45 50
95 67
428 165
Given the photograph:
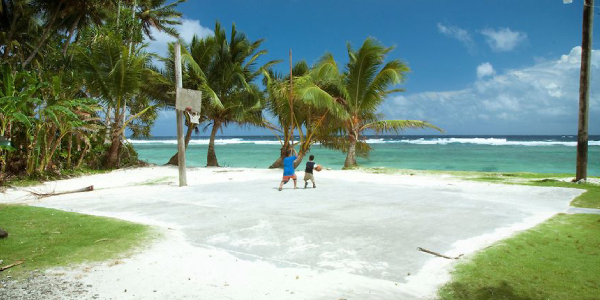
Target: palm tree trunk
69 148
211 157
188 136
115 146
55 145
86 148
30 154
278 164
299 159
351 156
9 46
44 37
71 31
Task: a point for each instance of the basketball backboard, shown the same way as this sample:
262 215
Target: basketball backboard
188 98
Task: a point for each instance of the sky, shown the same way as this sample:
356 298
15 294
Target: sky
494 67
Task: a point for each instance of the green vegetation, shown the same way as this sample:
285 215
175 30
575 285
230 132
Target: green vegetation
71 79
50 238
559 259
224 70
76 76
361 89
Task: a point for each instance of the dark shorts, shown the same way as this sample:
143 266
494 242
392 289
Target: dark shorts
287 178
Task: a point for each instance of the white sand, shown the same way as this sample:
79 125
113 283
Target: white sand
231 235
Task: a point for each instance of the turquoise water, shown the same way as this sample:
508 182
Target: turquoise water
540 154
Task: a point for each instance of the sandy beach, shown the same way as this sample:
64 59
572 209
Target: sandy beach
231 234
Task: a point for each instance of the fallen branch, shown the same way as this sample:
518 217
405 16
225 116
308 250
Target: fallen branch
437 254
85 189
12 265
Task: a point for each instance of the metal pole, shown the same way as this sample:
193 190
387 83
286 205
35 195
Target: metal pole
584 90
292 99
180 141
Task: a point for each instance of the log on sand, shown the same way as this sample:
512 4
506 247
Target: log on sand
437 254
85 189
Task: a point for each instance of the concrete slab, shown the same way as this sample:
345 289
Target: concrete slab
365 225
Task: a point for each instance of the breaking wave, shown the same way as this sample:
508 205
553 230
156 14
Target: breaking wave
419 141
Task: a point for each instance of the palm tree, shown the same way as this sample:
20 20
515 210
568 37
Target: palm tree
361 89
81 16
312 109
156 14
113 74
17 28
224 70
60 14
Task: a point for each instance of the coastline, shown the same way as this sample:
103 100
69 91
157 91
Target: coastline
262 242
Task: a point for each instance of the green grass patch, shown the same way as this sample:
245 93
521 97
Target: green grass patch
559 259
46 238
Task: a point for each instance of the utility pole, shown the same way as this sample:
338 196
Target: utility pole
584 90
292 98
179 112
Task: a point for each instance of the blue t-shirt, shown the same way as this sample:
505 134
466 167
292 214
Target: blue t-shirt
288 166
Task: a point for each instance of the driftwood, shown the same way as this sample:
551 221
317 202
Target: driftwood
85 189
12 265
437 254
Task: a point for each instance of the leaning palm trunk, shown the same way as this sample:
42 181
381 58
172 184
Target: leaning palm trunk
188 136
278 164
211 158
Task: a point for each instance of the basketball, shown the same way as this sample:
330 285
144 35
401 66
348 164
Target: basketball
189 108
318 168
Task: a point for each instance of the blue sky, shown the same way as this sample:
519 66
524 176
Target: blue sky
478 67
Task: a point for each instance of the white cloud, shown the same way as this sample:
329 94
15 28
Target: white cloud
503 39
187 30
540 99
484 70
459 34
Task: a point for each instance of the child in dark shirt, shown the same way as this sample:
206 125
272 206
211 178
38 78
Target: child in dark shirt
308 172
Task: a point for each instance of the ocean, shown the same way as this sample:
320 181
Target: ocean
539 154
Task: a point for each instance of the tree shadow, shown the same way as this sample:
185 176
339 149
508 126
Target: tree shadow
503 291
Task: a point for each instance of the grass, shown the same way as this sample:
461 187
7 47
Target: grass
559 259
51 238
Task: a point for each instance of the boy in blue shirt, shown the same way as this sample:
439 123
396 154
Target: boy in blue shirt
288 169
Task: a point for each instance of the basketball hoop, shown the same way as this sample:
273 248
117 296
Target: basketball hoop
194 116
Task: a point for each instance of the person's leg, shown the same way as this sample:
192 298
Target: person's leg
305 180
313 182
283 181
295 180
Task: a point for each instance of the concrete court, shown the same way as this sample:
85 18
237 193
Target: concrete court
364 224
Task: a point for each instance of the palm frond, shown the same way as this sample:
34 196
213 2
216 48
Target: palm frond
398 125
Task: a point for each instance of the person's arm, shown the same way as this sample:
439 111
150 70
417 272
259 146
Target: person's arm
294 152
